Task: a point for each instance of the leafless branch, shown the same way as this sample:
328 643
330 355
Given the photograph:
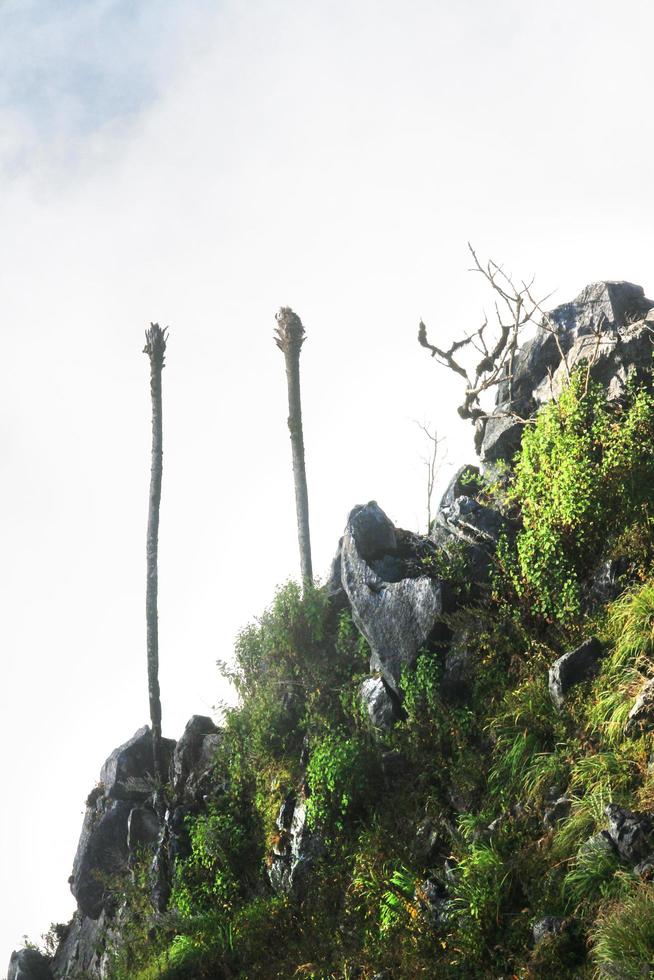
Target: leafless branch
495 346
430 462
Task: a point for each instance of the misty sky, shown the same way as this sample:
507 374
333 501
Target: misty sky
201 164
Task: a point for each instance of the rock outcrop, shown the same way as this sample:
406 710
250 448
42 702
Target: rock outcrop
397 611
296 850
28 964
574 667
608 323
641 716
128 773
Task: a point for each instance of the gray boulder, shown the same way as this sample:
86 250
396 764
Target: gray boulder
599 846
632 833
539 370
549 925
463 523
461 485
128 773
373 532
397 618
618 355
502 435
296 850
190 753
142 830
605 583
641 716
433 900
28 964
578 665
81 951
334 585
101 854
380 704
557 812
458 665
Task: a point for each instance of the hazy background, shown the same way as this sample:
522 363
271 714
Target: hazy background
201 164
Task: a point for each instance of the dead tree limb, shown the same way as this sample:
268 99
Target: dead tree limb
495 344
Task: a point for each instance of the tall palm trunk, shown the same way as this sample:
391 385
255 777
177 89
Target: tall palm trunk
289 337
155 348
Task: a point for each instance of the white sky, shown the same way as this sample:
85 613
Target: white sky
202 164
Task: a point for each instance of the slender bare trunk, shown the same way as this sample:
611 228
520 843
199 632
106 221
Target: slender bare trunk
289 337
155 348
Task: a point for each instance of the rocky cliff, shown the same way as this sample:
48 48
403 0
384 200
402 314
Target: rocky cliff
438 767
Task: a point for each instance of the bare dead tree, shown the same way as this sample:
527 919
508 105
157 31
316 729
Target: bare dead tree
155 348
430 462
289 337
493 345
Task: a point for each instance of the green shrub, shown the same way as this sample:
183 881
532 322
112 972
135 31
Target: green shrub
340 776
211 878
479 890
623 936
584 473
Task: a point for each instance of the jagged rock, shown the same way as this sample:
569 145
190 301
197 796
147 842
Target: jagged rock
296 851
180 844
622 353
458 664
462 522
381 705
641 716
428 843
459 486
128 773
601 843
538 370
557 812
161 871
549 925
433 900
202 779
28 964
476 522
142 829
101 853
396 618
494 826
502 435
645 869
578 665
80 953
373 532
450 869
334 585
631 833
188 753
605 584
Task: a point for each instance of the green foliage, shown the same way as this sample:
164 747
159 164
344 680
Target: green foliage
481 876
391 807
623 937
591 875
421 686
397 900
209 879
585 468
340 776
451 564
525 730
